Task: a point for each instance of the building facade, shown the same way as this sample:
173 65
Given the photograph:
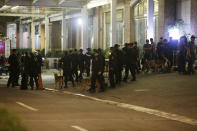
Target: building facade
103 23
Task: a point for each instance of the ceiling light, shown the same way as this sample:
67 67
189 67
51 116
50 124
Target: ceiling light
4 7
14 8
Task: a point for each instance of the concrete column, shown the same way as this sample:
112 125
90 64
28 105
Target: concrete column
193 17
84 28
150 19
113 23
167 16
46 34
33 45
96 28
29 37
127 22
64 44
21 36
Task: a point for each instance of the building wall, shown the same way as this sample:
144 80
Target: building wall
194 17
56 35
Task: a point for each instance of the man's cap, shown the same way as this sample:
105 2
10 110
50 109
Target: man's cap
193 36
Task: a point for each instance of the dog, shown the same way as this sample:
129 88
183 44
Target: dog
58 79
84 82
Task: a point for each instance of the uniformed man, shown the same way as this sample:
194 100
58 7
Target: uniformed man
153 52
182 54
33 71
67 70
119 63
147 51
75 63
88 57
112 68
160 49
132 55
97 72
25 71
13 68
191 54
81 62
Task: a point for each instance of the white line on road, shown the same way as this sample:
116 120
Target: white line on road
162 114
26 106
79 128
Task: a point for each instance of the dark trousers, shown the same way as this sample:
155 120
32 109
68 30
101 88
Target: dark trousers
132 69
81 68
190 64
87 68
12 78
118 75
17 77
182 63
24 81
68 76
33 78
112 78
100 79
75 72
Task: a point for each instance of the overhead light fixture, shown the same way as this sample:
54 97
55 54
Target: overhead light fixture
14 8
79 21
4 7
174 33
34 1
96 3
62 1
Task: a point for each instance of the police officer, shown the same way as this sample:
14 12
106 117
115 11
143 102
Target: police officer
33 71
125 58
153 53
182 54
88 57
13 67
97 72
81 62
191 54
112 68
132 61
75 63
147 51
119 63
67 70
25 71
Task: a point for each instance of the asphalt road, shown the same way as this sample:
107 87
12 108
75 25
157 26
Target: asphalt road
59 111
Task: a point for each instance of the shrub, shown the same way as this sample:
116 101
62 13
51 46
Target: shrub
9 121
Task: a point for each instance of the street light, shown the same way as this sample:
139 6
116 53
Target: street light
79 21
174 33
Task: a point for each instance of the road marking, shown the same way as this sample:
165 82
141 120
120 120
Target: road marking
79 128
154 112
142 90
49 89
26 106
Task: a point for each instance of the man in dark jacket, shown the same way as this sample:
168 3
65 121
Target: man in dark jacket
13 68
67 69
88 57
97 72
81 62
112 68
191 54
132 55
119 63
75 63
33 71
25 71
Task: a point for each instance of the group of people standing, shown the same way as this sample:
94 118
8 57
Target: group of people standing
73 61
127 59
28 65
